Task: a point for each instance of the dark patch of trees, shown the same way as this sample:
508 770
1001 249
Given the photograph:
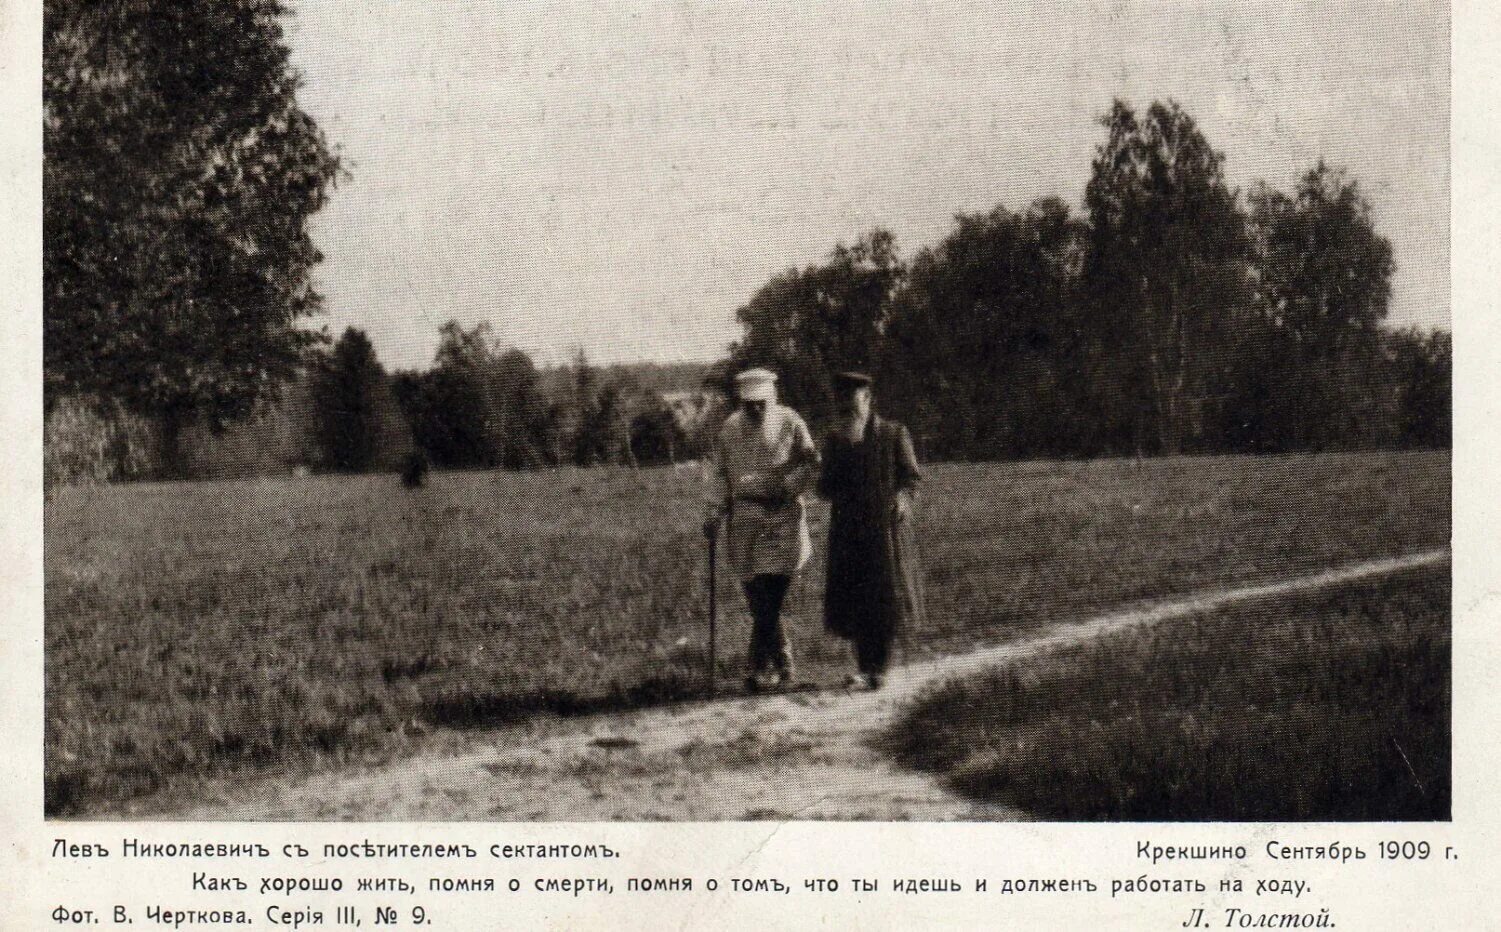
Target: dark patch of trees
1323 278
1162 275
483 406
359 426
479 406
657 436
982 338
1172 317
1422 367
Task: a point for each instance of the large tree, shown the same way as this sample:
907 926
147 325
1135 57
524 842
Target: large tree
447 404
520 416
805 323
1164 272
350 395
480 405
981 338
180 174
1323 279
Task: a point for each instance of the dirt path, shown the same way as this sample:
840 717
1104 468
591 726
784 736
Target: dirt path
794 756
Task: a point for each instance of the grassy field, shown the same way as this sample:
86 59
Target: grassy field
199 628
1329 706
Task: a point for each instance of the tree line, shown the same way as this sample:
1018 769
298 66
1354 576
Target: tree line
1172 315
483 405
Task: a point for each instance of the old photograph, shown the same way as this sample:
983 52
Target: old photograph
718 412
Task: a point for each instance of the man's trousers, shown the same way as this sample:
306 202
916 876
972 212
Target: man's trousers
769 648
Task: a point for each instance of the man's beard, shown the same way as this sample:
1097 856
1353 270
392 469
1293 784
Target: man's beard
852 422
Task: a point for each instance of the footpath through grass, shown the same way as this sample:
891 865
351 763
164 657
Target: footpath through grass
1324 706
198 628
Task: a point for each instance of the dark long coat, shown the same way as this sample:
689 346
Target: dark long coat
875 578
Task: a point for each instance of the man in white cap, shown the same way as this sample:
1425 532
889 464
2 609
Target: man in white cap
764 460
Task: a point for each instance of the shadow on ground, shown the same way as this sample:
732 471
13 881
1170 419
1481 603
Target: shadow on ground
493 710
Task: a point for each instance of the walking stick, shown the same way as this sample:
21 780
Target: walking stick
713 605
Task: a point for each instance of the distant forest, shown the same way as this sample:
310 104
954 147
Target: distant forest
342 412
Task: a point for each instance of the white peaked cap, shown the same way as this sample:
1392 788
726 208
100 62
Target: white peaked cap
756 385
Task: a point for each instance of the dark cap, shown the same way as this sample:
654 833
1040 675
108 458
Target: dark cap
851 380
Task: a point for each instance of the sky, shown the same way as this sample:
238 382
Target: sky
619 178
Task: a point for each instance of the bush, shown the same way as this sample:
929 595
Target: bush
85 442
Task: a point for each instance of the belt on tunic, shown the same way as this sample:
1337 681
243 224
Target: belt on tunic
765 501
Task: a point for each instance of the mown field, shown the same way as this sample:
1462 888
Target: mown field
1326 706
203 628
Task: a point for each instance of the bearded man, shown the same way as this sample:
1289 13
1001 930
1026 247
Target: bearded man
764 461
870 477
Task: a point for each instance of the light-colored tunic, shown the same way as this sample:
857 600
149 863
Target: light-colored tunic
762 471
